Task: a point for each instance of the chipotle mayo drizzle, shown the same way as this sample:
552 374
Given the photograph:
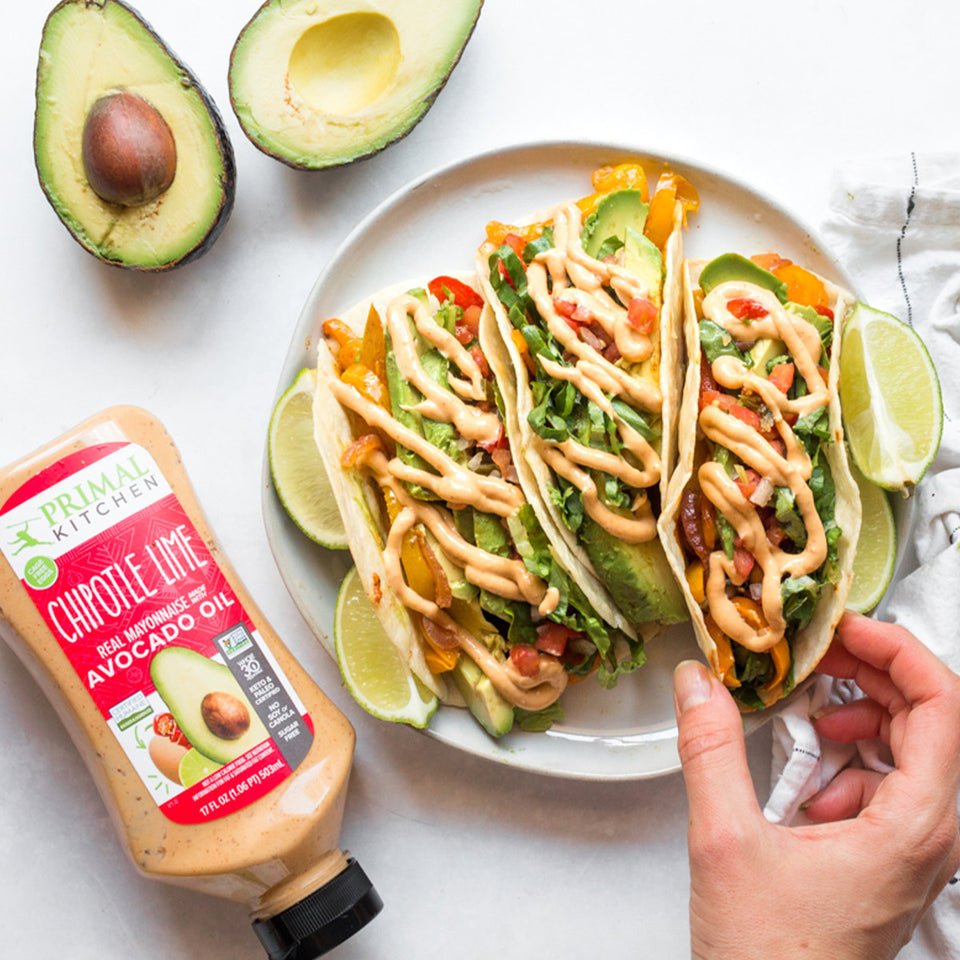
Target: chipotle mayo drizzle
458 484
580 278
270 852
792 469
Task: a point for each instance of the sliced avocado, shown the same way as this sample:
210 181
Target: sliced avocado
765 350
494 713
184 679
107 88
643 259
318 83
731 266
637 576
614 213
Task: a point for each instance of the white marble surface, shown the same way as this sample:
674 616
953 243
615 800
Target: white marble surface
472 860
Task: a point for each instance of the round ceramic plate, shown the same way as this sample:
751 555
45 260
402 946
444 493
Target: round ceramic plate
433 226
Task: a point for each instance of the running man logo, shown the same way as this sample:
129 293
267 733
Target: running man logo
23 538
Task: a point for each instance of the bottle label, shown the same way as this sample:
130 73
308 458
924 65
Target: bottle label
171 659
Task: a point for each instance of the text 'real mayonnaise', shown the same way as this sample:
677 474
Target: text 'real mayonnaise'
223 765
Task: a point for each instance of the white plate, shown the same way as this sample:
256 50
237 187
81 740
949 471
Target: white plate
433 226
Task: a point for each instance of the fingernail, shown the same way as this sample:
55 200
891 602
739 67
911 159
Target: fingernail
691 684
825 711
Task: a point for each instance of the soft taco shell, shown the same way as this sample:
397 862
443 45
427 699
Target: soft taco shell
811 643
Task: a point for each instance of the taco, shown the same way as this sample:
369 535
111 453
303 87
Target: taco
408 420
762 514
587 300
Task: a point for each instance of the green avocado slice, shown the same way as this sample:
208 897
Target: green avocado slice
92 50
183 679
732 266
317 83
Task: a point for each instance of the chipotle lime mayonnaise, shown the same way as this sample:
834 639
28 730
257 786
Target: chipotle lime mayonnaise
223 765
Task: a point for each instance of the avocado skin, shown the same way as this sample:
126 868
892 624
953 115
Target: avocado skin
183 678
636 575
492 711
428 102
223 144
731 266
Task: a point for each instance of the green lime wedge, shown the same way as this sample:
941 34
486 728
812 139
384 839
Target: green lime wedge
876 547
299 476
194 766
373 669
890 394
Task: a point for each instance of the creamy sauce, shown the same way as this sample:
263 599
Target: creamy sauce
578 278
455 484
790 469
270 853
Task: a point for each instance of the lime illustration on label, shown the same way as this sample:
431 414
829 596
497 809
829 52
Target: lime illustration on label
154 631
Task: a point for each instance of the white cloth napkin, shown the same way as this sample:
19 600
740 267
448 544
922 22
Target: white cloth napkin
895 225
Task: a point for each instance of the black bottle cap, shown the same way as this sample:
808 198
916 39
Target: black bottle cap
328 916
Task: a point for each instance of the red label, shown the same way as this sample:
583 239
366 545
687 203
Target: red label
158 636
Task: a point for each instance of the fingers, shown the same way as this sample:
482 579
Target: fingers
845 796
859 720
711 748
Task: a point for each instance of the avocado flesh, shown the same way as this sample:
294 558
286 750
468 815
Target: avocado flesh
636 575
643 259
615 213
731 266
316 84
493 712
183 678
92 49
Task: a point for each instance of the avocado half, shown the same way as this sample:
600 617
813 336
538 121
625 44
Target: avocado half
91 52
319 83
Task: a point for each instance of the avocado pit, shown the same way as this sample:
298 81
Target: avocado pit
225 716
129 153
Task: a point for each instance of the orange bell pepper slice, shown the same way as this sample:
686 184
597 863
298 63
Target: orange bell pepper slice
339 331
498 232
357 453
373 351
623 176
695 580
364 380
725 661
780 654
524 349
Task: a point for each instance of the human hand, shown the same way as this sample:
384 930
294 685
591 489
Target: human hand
853 885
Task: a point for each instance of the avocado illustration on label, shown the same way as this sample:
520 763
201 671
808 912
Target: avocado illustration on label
207 703
316 83
130 150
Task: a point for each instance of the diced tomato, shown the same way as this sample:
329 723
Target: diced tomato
471 317
499 441
750 417
502 458
775 533
526 658
552 638
748 484
825 311
781 376
515 243
565 308
779 446
642 314
582 314
707 383
445 288
463 333
742 562
743 308
481 362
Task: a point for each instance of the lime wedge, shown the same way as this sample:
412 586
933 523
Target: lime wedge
194 766
876 547
890 396
373 669
299 476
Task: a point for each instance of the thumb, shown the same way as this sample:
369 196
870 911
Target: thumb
711 746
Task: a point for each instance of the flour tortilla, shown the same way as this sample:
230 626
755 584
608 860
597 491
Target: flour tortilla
537 477
811 643
359 500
